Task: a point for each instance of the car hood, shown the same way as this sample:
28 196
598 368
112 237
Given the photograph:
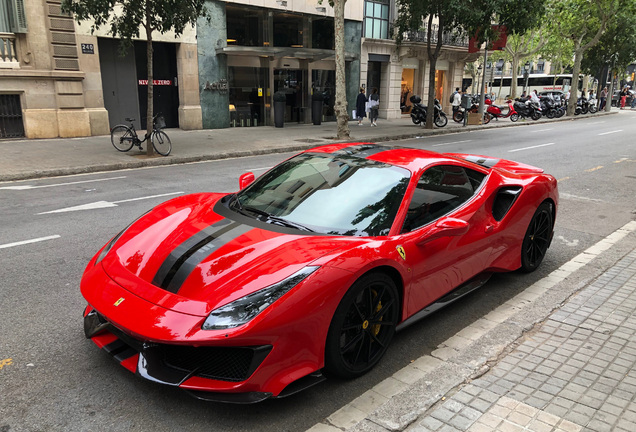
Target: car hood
184 256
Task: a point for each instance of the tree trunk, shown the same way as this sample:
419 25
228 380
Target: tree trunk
432 63
149 114
340 107
515 77
574 88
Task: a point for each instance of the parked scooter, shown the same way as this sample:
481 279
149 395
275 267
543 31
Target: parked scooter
527 109
418 112
500 111
582 106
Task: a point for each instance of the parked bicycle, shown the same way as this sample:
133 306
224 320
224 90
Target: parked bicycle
125 137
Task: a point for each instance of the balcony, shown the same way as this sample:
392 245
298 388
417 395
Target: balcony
8 54
450 38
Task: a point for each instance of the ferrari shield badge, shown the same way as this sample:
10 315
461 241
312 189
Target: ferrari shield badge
119 301
402 253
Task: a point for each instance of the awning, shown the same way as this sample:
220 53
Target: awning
279 52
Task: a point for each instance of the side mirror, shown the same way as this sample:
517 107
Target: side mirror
446 227
246 179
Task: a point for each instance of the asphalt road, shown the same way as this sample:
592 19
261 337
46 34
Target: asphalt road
52 378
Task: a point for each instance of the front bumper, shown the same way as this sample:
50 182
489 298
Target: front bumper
180 365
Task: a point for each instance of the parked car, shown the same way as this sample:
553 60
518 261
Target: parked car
311 268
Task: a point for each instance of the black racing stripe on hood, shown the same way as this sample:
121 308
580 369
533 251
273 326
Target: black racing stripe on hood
185 264
185 248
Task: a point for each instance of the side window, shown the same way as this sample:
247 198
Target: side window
440 190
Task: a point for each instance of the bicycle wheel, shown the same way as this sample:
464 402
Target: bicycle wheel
122 138
161 142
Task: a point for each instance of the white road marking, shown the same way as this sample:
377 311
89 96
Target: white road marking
449 143
597 122
610 132
27 187
541 130
580 198
105 204
24 242
529 148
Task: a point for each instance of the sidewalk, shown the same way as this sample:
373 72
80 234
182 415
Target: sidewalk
31 158
515 370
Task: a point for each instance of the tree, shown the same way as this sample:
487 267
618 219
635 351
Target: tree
558 51
616 49
472 17
582 22
126 17
521 46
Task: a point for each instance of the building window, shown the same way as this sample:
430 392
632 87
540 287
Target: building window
376 19
12 16
322 33
245 27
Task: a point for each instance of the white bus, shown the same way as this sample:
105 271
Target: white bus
538 82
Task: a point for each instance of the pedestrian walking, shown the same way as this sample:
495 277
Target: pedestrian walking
361 106
457 101
603 98
374 106
623 97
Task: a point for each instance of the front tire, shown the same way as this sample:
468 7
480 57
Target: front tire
415 118
593 109
514 117
537 239
536 115
161 143
458 116
441 120
122 138
362 327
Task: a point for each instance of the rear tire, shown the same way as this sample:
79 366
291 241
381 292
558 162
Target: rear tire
161 143
458 116
537 239
122 138
362 327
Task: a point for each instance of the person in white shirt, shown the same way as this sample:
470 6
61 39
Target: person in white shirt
457 100
534 97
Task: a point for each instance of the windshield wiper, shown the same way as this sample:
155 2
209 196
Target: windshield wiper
275 219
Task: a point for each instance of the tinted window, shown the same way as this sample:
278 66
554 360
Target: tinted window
440 190
332 194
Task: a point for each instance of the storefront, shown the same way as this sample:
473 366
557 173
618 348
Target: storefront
246 54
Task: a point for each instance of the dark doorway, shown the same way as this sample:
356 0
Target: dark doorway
166 92
292 82
374 76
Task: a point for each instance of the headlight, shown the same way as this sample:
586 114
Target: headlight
247 308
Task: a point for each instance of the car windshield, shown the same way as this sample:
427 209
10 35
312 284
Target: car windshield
328 193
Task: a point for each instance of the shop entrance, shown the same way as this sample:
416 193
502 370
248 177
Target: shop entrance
408 77
293 82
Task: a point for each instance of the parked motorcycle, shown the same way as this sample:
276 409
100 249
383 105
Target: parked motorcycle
593 105
500 111
549 107
527 109
418 112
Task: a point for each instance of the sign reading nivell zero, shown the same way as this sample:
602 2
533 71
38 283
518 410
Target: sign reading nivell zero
220 86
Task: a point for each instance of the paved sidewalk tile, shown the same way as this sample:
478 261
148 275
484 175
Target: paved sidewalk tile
576 372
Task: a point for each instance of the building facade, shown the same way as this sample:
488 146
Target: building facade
59 79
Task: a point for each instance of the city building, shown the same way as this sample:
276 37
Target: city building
58 78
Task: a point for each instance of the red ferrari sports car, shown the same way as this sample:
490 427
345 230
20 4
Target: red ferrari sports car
310 269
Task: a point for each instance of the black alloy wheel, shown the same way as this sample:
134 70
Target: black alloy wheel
537 239
362 327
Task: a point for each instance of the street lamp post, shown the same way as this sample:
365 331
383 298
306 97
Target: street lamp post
526 75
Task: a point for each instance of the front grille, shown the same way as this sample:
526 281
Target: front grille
232 364
220 363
